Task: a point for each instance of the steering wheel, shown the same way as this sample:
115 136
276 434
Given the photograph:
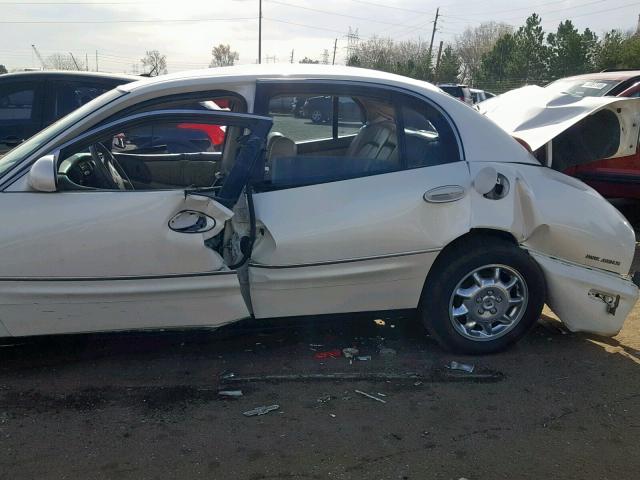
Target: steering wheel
110 170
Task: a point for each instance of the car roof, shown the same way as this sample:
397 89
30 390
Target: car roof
620 75
69 74
252 73
451 85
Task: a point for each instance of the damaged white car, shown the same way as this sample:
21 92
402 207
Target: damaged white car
400 198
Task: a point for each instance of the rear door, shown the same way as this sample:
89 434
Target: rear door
20 111
352 213
128 252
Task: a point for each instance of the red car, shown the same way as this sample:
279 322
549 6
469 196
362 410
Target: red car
613 177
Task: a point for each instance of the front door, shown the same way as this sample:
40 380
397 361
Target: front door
356 202
130 240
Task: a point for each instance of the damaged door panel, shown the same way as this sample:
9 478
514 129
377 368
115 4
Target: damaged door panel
138 258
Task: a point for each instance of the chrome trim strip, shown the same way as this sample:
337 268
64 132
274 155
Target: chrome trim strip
103 279
347 260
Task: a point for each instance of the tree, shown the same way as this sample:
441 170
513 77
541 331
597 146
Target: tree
610 51
223 56
570 52
154 63
405 58
494 68
59 61
308 60
529 59
3 69
449 67
474 43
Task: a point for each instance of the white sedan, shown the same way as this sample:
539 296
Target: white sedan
416 201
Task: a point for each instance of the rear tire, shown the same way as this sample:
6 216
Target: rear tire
482 295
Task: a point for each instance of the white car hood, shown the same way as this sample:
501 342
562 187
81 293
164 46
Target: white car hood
537 115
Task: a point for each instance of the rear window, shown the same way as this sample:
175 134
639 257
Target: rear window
583 87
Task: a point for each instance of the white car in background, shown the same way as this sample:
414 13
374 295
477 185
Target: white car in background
423 204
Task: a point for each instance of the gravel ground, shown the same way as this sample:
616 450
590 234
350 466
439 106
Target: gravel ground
146 405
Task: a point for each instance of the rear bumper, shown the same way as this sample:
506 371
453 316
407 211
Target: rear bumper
587 300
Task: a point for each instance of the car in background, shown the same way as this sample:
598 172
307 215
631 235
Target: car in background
319 109
480 95
30 101
612 177
459 91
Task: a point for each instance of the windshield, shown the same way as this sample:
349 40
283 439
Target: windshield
15 156
582 87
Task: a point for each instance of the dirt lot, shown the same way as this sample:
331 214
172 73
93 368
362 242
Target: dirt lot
142 406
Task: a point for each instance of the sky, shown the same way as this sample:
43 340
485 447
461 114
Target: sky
120 31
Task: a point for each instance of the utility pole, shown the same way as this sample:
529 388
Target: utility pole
74 61
433 32
438 62
86 61
259 31
291 55
335 46
96 60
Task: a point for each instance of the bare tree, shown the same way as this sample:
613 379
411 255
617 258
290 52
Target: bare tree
59 61
473 43
154 63
223 56
308 60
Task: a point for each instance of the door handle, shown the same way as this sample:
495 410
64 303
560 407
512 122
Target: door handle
191 221
444 194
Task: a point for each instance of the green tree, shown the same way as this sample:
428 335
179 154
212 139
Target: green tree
449 67
570 52
3 69
610 51
529 59
495 65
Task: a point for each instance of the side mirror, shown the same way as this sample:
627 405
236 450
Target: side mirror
42 175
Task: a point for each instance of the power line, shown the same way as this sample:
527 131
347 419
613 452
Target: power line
327 12
184 20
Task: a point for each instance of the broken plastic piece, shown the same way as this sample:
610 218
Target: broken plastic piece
230 393
226 375
379 322
336 353
363 358
368 395
262 410
464 367
350 352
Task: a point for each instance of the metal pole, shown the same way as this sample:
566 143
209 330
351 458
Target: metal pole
433 32
96 60
259 31
438 61
335 46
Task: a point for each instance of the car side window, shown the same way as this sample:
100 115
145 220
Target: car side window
16 102
428 137
70 95
339 137
155 155
325 137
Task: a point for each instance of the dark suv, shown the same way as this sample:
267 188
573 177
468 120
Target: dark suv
30 101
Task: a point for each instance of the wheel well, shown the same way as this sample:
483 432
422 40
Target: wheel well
474 235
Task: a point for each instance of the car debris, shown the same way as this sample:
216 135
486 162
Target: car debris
463 367
262 410
335 353
350 352
387 352
227 375
363 358
380 322
230 393
372 397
